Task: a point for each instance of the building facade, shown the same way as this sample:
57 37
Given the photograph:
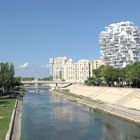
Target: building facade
57 68
63 69
95 64
76 72
120 44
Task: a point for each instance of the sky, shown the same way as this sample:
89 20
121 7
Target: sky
32 31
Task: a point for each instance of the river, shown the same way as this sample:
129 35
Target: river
48 117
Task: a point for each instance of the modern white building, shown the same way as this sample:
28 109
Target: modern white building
57 68
120 44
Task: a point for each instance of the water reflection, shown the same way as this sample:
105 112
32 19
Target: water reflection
48 117
114 128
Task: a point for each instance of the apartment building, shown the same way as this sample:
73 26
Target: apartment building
63 69
57 68
76 72
120 44
95 64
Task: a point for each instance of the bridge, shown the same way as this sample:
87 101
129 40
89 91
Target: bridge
60 84
44 82
36 89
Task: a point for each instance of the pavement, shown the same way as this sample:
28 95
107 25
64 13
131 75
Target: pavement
17 124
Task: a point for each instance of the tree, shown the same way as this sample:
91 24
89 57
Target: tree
28 78
135 71
49 78
91 81
4 76
7 79
107 75
17 82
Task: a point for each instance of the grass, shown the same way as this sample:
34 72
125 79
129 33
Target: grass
5 115
66 92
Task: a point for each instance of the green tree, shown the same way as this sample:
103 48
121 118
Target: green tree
90 81
4 77
128 74
107 75
7 79
28 78
136 74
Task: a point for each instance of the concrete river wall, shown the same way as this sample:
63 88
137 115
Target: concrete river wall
122 102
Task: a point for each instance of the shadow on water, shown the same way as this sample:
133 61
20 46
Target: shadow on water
47 117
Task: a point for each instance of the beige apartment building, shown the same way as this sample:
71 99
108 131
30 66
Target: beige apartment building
95 64
63 69
57 68
76 72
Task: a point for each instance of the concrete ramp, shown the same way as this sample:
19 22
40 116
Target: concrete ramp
126 97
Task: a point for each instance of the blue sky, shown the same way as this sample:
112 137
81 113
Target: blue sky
32 31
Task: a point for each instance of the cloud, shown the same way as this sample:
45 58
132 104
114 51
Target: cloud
45 66
27 70
24 66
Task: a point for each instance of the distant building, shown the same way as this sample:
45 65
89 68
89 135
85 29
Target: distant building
57 68
76 71
63 69
120 44
95 64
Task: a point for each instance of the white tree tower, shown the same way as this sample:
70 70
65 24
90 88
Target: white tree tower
120 44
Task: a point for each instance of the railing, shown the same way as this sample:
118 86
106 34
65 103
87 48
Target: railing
45 82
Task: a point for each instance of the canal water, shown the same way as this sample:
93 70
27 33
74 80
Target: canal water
47 117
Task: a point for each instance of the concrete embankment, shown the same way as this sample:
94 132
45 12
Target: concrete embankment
121 102
14 131
126 97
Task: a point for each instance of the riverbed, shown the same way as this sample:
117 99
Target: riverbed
49 117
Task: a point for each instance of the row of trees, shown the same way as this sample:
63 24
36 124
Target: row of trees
8 81
28 78
109 76
49 78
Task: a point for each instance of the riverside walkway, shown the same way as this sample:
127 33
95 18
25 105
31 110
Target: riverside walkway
17 125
